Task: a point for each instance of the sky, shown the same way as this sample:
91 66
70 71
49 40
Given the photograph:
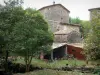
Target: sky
78 8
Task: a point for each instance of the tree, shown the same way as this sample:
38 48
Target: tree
31 36
92 42
10 14
25 32
85 28
74 20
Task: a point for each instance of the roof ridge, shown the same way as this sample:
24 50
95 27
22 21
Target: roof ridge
54 5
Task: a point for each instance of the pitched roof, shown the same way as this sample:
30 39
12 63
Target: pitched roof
54 5
94 9
56 45
80 45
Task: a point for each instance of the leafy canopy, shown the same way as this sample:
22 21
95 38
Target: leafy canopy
31 33
24 31
85 28
92 43
10 14
74 20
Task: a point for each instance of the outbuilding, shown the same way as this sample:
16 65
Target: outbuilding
61 50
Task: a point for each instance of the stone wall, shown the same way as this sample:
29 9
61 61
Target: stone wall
68 33
54 15
72 37
70 28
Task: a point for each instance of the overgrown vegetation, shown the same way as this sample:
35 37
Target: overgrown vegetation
85 26
74 20
55 72
23 31
9 16
92 42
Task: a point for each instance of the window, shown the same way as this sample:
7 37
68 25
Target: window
61 18
73 50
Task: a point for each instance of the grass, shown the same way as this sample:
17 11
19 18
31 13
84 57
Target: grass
54 72
51 65
55 64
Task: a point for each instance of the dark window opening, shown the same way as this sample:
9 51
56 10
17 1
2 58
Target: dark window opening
73 50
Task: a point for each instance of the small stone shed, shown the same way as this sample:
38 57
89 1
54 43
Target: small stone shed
61 50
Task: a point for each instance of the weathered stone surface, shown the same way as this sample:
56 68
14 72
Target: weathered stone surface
54 15
58 18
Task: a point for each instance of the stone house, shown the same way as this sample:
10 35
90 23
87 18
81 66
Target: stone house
55 14
58 18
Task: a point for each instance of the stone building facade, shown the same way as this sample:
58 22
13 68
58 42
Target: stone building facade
57 17
70 34
55 14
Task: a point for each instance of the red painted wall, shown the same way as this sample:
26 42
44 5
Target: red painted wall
76 51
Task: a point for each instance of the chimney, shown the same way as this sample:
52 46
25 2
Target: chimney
53 2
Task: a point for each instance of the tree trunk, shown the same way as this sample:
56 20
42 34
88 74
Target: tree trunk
27 67
28 62
6 61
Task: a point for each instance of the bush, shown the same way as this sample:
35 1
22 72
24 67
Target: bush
1 63
97 71
21 68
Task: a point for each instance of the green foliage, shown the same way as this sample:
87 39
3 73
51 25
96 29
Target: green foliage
92 42
97 71
85 28
25 32
31 34
84 25
8 17
74 20
13 3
